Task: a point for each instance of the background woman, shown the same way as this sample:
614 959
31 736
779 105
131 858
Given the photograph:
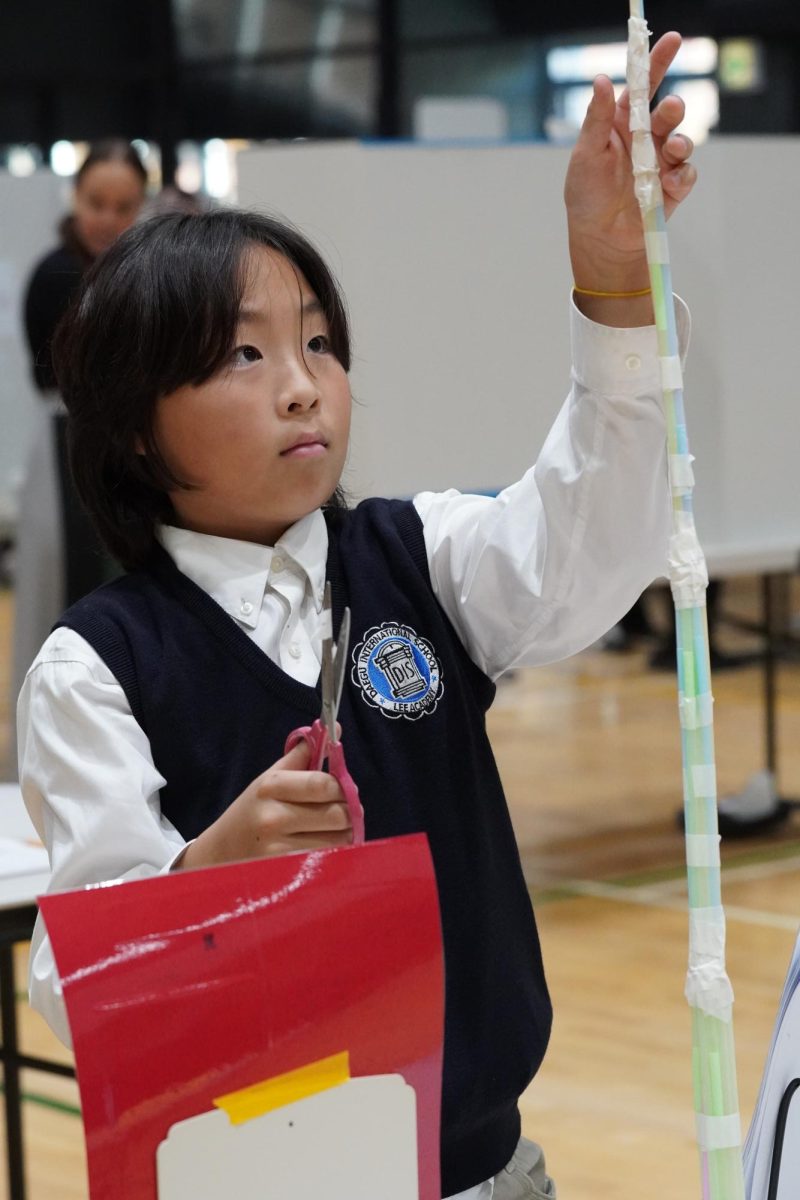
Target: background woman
58 556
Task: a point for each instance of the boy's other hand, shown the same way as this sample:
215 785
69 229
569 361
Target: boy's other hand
287 808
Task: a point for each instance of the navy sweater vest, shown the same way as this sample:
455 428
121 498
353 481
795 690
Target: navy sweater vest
217 711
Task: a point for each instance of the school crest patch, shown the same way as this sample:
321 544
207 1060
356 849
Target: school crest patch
397 671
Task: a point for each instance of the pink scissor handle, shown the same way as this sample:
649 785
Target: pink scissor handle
317 737
321 748
338 769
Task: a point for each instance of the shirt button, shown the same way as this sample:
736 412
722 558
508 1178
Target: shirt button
245 608
277 563
633 362
295 650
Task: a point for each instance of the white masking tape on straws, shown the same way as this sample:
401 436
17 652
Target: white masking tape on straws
645 178
671 373
718 1133
326 625
688 574
707 933
644 158
696 712
702 849
643 153
640 117
638 59
657 247
681 475
704 782
707 986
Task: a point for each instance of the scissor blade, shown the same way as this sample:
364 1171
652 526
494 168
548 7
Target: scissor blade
329 700
340 662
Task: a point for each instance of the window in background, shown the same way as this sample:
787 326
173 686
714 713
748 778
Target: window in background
21 160
509 76
281 68
248 29
217 158
347 82
208 169
189 173
66 157
150 154
741 65
571 69
446 19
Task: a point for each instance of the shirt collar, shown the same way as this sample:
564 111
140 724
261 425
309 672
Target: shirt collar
236 573
306 543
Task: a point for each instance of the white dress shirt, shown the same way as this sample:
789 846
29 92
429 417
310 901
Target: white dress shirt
528 577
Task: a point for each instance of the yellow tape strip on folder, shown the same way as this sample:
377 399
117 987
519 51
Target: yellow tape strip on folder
273 1093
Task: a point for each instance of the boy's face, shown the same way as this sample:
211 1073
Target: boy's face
265 439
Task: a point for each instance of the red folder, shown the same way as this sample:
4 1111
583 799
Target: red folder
192 986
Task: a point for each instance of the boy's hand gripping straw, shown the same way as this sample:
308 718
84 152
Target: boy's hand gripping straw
322 736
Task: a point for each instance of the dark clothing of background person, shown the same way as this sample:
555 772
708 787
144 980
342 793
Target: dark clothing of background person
52 285
58 556
54 281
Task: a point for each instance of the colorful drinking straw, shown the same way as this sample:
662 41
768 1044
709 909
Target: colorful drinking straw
708 988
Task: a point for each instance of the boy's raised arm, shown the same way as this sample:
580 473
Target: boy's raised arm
606 239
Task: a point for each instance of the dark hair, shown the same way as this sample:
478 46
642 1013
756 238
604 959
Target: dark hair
159 310
112 150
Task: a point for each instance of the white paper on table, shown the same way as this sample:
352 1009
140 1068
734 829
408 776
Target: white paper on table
18 857
783 1065
356 1141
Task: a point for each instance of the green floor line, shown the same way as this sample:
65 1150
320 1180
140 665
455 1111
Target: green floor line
655 875
48 1102
643 878
551 895
730 862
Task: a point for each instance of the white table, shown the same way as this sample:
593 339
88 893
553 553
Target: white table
772 561
16 890
752 558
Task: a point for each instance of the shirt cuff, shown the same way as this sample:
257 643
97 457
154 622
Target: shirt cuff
176 858
621 361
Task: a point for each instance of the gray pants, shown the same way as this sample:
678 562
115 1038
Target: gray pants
525 1177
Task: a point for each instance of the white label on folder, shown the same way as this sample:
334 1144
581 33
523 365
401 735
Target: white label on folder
357 1141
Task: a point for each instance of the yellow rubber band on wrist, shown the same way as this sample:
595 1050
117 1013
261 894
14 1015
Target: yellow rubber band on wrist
612 295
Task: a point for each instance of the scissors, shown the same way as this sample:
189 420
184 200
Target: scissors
322 735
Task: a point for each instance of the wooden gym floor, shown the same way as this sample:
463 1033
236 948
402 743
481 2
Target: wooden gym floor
589 751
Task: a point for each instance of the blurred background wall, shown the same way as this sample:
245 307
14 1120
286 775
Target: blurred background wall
182 72
207 88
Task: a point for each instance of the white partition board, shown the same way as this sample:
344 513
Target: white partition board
454 263
29 212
